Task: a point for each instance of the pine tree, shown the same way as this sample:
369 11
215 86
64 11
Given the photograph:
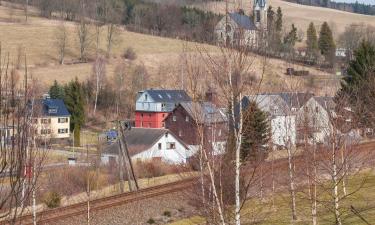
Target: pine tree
291 38
312 41
74 102
270 19
56 91
255 134
278 29
326 43
359 84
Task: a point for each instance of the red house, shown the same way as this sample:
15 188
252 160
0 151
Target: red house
153 106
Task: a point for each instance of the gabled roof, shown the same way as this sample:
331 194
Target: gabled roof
295 99
167 95
204 112
273 104
141 139
326 102
50 107
243 21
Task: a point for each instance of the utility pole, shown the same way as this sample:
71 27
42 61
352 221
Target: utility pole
124 156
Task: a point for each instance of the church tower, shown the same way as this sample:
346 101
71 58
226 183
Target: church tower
260 14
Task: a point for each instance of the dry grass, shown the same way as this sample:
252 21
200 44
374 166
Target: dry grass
300 15
159 55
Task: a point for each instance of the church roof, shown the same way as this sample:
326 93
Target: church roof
243 21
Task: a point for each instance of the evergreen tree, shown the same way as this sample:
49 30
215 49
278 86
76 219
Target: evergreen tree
291 38
359 84
56 91
326 43
74 102
278 28
255 134
270 19
312 41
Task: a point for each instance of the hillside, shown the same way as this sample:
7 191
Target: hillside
160 56
301 15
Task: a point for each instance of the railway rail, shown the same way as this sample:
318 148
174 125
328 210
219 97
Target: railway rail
60 213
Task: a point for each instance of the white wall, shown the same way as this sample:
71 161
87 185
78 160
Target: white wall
175 156
283 130
54 126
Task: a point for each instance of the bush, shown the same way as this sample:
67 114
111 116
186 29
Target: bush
151 221
130 54
167 214
52 199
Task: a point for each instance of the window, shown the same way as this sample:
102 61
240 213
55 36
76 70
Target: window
174 118
46 121
53 110
228 28
63 120
62 131
257 16
187 119
159 146
316 109
166 135
35 120
45 131
145 97
180 133
171 145
219 133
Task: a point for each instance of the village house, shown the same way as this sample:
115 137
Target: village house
145 144
192 120
236 28
282 119
153 106
51 118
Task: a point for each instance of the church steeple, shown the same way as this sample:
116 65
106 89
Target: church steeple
260 14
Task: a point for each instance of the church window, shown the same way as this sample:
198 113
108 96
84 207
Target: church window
228 28
257 16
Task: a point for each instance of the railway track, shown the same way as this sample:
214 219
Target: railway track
60 213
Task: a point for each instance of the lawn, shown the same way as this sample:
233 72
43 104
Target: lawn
262 212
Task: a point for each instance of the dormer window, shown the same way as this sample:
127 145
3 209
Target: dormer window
52 110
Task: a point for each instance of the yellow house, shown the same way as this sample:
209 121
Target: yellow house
52 118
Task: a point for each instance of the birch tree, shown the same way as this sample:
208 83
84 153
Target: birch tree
61 41
98 76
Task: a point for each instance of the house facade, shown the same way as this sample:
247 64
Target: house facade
153 106
195 122
51 119
238 29
147 144
281 119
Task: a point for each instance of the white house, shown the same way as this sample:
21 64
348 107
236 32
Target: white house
316 113
151 144
51 118
282 120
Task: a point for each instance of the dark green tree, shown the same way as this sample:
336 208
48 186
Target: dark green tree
56 91
270 19
326 43
256 132
278 29
75 104
312 41
358 87
291 38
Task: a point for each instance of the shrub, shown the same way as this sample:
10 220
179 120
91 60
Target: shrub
151 221
52 199
167 213
130 54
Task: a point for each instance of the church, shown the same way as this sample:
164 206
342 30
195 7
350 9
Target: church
236 28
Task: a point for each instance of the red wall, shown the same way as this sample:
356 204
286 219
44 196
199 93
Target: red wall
150 119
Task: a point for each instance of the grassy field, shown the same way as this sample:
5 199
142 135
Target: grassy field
161 56
300 15
265 214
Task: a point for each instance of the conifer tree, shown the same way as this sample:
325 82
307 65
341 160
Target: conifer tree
291 38
326 43
359 84
312 41
278 27
255 134
56 91
74 102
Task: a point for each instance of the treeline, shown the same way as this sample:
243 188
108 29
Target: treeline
349 7
137 15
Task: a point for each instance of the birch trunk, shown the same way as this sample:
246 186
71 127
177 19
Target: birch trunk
335 188
291 183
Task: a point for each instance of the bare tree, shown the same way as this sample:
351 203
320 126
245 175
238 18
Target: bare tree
83 32
61 41
98 77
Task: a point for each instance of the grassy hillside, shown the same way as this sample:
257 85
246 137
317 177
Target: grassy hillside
161 56
301 15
